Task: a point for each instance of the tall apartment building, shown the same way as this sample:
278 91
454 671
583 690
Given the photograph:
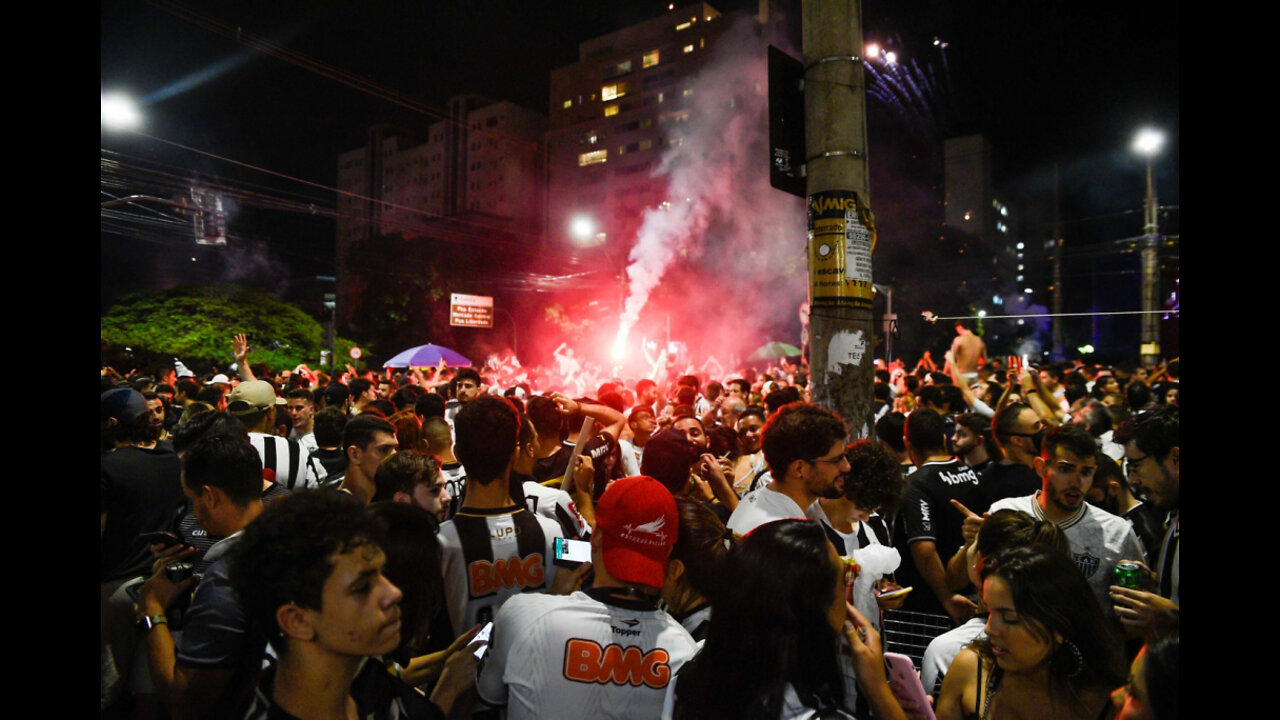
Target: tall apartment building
612 115
483 165
973 206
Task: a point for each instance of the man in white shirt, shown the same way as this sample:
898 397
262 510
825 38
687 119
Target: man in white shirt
804 448
284 461
607 652
1098 539
301 409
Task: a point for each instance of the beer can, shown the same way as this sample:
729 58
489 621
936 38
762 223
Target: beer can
851 568
1129 575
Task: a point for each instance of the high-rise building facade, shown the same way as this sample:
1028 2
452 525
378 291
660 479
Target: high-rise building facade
974 207
483 165
613 113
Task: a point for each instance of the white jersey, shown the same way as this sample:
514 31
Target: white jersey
289 462
487 556
631 455
944 649
455 482
1098 541
587 655
845 544
762 506
308 441
556 504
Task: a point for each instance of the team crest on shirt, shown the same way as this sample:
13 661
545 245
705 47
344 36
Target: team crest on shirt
649 533
1088 563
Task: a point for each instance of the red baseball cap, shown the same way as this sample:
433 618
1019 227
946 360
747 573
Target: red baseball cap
637 522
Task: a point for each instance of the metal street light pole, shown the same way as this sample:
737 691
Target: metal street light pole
1147 143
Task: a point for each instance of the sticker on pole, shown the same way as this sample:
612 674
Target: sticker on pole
841 242
355 353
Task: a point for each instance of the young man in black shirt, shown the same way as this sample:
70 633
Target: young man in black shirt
929 532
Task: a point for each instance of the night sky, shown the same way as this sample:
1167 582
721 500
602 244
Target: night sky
1046 81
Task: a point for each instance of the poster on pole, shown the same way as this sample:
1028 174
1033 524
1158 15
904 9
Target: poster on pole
470 310
842 238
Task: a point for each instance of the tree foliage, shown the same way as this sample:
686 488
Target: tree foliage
397 292
195 324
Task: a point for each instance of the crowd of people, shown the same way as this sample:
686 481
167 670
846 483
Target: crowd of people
289 544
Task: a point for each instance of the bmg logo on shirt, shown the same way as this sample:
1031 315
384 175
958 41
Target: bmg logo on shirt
587 662
487 577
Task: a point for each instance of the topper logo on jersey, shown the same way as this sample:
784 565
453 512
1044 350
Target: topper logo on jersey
649 533
514 572
586 661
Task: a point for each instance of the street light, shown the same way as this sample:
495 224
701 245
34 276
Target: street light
1147 143
582 228
120 112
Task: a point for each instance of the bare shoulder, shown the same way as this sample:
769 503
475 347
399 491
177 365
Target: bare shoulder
958 696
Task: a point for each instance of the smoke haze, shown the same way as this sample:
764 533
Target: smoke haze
724 257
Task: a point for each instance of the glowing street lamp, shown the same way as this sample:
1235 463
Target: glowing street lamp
582 228
120 112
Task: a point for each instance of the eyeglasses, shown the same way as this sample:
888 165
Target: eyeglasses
837 461
1131 463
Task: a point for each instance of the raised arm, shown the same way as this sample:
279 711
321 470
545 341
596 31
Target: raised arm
969 397
240 349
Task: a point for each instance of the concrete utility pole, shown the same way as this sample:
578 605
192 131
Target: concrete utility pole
1150 350
841 228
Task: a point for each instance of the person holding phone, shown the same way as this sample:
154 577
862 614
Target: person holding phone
605 652
212 667
773 647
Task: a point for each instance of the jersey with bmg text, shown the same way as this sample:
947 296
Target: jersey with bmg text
587 655
927 515
490 555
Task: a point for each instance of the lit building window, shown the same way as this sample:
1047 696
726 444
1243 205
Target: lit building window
610 110
686 25
591 158
687 92
688 48
660 97
650 59
613 92
568 104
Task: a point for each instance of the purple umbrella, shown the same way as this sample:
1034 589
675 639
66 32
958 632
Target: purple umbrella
428 356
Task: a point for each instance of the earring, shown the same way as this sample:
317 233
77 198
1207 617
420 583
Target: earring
1076 658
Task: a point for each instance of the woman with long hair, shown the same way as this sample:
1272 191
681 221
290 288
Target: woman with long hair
772 649
413 565
697 566
1049 651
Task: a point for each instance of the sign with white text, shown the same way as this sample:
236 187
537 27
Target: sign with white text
470 310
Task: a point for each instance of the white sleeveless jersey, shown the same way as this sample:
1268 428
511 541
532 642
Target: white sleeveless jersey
581 657
487 556
556 504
